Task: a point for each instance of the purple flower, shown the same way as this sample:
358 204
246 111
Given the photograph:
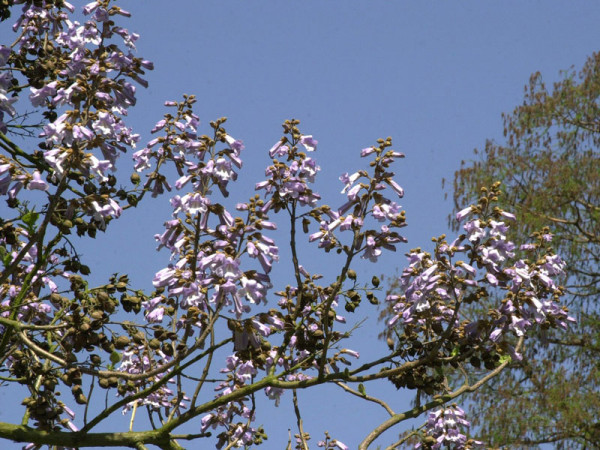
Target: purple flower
389 211
372 251
54 133
554 265
38 96
193 203
353 192
234 143
499 229
527 247
445 426
223 170
308 170
110 209
90 7
164 277
474 230
98 167
495 335
491 279
309 143
509 216
470 269
519 325
349 180
4 54
37 183
154 313
396 187
367 151
351 352
279 149
274 393
463 213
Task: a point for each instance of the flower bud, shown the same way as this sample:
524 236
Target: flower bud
305 224
167 349
121 342
390 343
139 337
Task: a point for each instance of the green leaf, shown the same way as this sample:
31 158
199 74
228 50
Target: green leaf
30 218
361 389
504 358
4 256
115 357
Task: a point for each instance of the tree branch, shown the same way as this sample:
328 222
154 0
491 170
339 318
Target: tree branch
437 401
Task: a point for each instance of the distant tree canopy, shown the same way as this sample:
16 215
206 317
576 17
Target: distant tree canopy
549 167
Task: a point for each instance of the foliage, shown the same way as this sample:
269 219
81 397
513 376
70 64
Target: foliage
550 172
213 333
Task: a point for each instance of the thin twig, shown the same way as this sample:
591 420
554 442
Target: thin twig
383 404
299 420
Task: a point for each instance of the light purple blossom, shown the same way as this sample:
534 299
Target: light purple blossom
372 250
446 425
367 151
396 187
474 230
463 213
309 143
36 183
39 96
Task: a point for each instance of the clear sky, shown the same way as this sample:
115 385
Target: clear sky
435 76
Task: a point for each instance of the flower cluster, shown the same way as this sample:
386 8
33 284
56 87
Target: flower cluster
80 82
291 181
206 271
239 373
444 427
90 82
428 309
137 361
433 287
364 200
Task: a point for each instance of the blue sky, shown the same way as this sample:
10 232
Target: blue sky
435 76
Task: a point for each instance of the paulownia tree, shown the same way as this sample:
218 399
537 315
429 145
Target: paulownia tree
550 172
212 334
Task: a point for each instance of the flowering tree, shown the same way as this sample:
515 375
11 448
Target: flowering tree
549 165
213 334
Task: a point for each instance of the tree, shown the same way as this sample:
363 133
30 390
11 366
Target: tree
210 337
550 172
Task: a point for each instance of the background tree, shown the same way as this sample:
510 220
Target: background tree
189 357
549 166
